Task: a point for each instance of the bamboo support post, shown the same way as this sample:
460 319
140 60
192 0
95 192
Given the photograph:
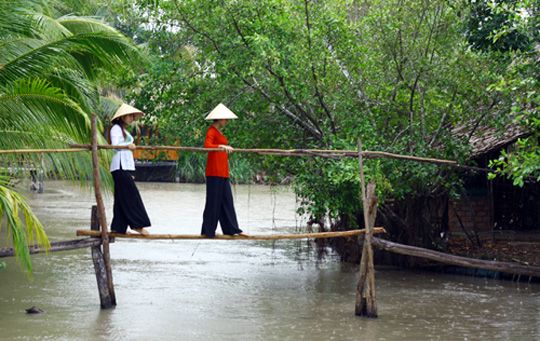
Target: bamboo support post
366 303
101 212
319 235
105 297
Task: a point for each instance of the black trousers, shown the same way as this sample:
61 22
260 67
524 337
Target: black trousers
219 207
128 207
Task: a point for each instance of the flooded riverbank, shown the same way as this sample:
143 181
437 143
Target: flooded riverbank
223 290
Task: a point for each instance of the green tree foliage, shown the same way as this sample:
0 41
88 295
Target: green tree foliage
493 25
399 75
48 67
521 83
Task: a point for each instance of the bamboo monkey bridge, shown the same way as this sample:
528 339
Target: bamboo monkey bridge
99 239
315 235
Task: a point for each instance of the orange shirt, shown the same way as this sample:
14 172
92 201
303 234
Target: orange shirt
217 163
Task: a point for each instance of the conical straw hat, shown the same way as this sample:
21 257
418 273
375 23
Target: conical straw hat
221 112
127 110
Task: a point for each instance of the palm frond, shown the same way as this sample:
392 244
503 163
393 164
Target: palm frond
31 104
47 26
46 93
24 231
77 87
89 46
108 106
34 114
16 18
24 57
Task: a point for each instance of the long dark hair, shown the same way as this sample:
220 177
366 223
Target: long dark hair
122 125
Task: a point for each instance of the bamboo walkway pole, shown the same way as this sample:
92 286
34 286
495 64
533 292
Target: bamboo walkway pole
313 235
366 303
101 212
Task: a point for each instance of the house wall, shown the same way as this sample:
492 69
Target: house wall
474 213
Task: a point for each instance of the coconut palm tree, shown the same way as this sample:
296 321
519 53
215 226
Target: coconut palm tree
48 69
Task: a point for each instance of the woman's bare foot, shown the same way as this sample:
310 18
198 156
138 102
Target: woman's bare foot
243 234
142 231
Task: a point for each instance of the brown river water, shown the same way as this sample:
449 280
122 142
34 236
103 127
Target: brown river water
239 290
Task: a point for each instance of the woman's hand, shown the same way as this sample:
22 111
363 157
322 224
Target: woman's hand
226 148
132 146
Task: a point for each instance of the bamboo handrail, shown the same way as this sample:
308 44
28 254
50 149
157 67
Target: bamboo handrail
43 151
315 235
287 152
325 153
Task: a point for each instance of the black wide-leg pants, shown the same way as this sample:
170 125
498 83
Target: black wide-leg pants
219 207
128 209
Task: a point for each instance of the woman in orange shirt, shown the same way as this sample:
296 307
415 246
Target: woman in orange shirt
219 200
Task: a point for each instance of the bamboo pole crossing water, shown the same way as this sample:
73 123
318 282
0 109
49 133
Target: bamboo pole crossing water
64 245
332 153
414 251
328 153
43 151
323 153
314 235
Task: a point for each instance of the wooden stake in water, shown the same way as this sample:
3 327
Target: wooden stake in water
101 213
99 265
366 303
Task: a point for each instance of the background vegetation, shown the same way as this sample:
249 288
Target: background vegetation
403 76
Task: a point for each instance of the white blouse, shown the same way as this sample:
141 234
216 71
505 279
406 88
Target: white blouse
122 157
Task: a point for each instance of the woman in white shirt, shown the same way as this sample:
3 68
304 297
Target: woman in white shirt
128 206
